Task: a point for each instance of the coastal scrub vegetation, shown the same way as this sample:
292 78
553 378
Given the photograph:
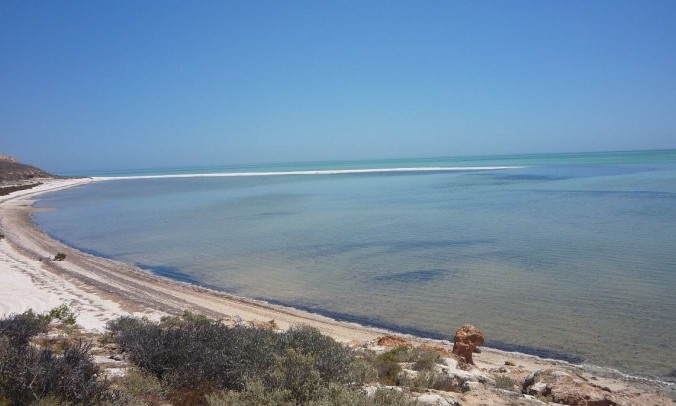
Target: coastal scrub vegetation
31 374
60 256
195 360
5 190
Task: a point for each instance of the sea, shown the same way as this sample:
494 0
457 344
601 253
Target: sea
568 256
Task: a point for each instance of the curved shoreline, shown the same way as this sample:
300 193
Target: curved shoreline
101 289
129 289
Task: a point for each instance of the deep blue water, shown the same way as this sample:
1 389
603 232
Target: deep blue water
572 255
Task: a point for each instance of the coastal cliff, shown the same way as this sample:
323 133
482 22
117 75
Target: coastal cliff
13 172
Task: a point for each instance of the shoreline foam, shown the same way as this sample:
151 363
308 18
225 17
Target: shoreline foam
100 289
431 169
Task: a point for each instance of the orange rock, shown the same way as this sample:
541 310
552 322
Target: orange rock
467 339
443 351
393 341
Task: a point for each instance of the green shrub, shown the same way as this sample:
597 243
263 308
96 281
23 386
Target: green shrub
5 190
297 374
59 256
64 314
333 361
363 372
192 350
505 382
137 387
187 318
389 397
195 353
387 364
424 360
257 394
19 328
125 324
28 374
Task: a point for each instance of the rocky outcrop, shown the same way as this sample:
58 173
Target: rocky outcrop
13 172
568 389
467 339
393 341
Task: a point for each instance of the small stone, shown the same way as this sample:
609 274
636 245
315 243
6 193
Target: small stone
432 399
539 388
470 385
370 391
510 363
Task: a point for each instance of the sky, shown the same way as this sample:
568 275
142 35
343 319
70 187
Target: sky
101 85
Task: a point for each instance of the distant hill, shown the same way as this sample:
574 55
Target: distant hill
13 172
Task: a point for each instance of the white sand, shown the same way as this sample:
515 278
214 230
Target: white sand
26 284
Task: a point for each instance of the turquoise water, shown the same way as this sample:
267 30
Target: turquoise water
567 255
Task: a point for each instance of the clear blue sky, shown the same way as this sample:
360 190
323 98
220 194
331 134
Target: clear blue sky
90 85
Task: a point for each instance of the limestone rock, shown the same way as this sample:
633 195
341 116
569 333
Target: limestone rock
407 375
450 368
432 399
567 389
467 339
470 385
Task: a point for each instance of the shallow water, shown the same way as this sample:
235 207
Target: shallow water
571 255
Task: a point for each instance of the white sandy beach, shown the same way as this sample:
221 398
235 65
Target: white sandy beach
100 289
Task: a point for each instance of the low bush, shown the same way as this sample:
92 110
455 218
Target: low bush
196 360
139 388
296 373
333 361
186 319
505 382
387 364
19 328
194 352
64 314
5 190
257 394
363 371
29 374
424 360
60 256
